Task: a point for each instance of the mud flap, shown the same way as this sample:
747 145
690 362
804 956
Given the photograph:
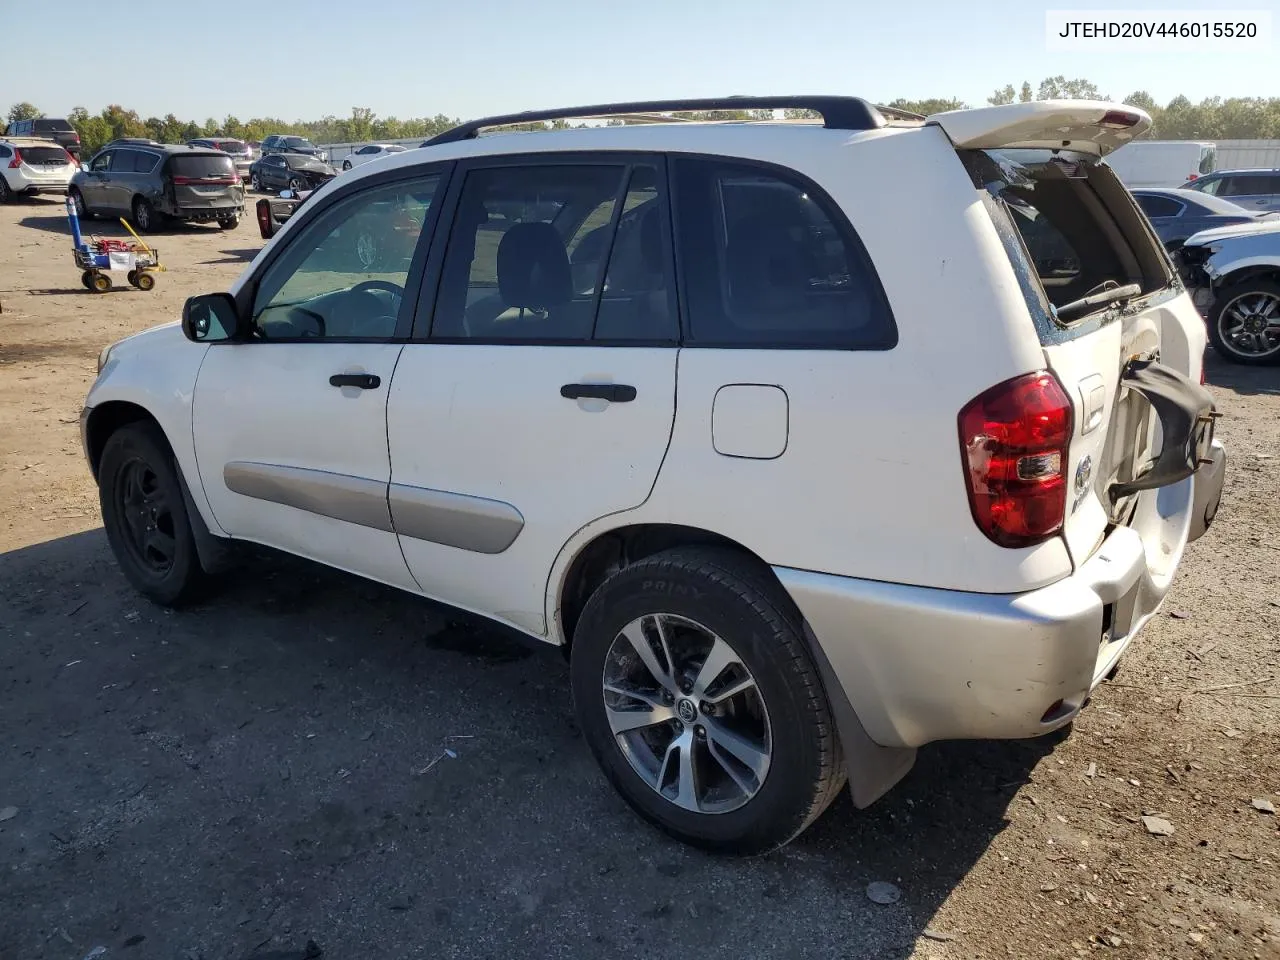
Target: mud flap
873 770
1187 416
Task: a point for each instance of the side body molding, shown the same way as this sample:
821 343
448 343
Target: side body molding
476 524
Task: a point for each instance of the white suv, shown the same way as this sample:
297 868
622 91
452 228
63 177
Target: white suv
810 442
29 166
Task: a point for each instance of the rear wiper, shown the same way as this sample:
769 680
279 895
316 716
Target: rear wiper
1084 304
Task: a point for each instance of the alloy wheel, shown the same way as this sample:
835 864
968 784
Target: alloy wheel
1250 324
687 714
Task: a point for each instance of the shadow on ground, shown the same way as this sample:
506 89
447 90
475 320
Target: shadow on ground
310 756
1249 381
55 221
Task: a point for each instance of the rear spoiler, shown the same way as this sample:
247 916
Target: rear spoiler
1085 126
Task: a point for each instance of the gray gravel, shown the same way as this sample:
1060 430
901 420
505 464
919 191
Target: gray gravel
233 780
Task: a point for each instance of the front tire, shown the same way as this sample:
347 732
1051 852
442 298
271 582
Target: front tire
698 697
229 223
145 516
1244 323
255 184
82 208
346 164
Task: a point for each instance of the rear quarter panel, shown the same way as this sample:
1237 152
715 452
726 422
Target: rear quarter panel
870 483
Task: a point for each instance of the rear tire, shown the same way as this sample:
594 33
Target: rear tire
145 516
734 600
145 217
146 281
6 194
1249 303
229 223
100 283
255 184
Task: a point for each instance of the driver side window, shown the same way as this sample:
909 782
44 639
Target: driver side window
343 275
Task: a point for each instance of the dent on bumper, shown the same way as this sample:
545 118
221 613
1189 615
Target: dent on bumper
1209 480
920 664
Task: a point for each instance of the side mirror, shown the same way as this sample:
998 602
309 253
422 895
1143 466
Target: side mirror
211 318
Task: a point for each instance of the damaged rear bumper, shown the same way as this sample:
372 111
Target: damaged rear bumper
919 664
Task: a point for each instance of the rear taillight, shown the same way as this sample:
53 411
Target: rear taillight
16 162
1193 176
1118 119
1014 440
264 218
70 158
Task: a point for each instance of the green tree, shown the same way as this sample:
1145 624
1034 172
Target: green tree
927 107
1060 88
1025 95
1005 95
23 111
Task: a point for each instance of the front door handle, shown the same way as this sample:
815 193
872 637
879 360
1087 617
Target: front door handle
613 392
365 381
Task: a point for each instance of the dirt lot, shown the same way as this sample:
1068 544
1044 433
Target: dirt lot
235 780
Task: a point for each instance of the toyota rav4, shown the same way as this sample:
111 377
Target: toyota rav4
810 442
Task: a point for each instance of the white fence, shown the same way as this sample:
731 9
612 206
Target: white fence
1235 154
1232 154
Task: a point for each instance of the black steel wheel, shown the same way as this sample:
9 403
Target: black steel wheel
145 516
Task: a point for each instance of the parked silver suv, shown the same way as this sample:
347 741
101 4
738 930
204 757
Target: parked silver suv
1257 189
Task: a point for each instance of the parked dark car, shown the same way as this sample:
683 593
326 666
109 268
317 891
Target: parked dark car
238 150
280 143
1177 213
292 171
150 183
57 129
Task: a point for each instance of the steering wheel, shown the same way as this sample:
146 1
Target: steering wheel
369 324
386 286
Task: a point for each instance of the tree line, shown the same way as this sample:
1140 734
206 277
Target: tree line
1215 118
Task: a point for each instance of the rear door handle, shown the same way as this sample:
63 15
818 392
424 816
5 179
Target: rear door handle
365 381
613 392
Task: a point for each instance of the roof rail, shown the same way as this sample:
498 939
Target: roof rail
838 113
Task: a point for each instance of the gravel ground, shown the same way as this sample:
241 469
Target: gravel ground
308 757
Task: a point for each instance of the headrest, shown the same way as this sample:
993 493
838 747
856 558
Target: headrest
533 267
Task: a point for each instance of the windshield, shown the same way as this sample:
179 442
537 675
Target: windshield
203 166
230 146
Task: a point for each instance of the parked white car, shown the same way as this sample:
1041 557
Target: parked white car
30 166
371 152
1234 276
811 443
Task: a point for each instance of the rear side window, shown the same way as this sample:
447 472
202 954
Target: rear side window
1250 185
1154 206
767 261
202 167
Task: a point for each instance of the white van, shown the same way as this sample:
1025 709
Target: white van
1163 163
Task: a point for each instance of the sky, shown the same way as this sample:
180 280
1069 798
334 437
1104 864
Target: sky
467 58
